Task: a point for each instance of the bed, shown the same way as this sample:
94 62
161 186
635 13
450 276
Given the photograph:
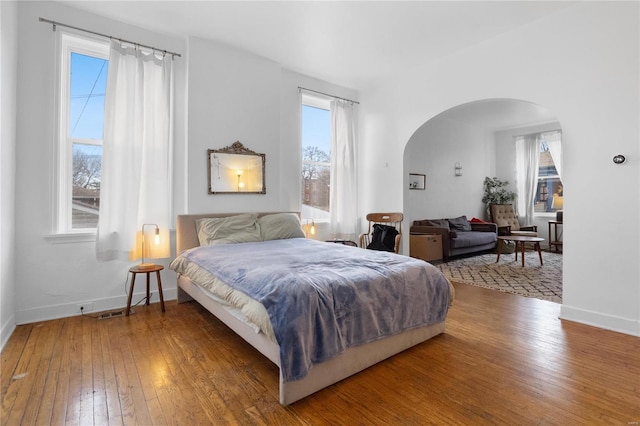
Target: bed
232 268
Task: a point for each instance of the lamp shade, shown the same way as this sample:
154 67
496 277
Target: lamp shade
156 246
557 202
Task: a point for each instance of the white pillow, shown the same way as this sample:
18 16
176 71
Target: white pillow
279 226
241 228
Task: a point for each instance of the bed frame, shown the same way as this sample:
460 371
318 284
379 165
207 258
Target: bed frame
351 361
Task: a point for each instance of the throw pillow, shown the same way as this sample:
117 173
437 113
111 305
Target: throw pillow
459 224
280 226
476 220
240 228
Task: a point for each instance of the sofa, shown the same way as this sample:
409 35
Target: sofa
459 235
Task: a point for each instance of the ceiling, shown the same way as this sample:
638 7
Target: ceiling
355 44
500 114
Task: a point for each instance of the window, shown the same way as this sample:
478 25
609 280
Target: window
549 195
541 155
83 77
316 158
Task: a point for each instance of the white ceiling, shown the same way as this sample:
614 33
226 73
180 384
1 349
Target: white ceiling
355 44
500 114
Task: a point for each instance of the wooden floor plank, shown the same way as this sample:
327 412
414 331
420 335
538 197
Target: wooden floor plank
60 402
25 378
89 370
503 359
75 340
40 403
12 355
100 412
52 378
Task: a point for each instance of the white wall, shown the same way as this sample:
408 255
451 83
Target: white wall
8 83
235 95
581 63
232 96
222 95
51 278
433 150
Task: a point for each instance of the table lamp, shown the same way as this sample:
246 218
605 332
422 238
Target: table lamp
154 246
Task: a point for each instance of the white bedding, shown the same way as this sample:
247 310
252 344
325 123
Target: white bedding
249 310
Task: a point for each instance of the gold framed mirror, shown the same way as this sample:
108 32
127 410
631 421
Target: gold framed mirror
236 169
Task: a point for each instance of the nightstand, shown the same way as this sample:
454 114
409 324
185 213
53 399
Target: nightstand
554 241
135 270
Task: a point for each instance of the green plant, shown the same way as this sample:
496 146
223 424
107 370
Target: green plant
495 192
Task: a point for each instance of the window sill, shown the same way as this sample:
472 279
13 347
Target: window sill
72 237
545 215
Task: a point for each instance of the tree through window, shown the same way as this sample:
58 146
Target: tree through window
316 158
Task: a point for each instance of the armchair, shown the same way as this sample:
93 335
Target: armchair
505 217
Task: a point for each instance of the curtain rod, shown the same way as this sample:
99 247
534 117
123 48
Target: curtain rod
121 40
331 96
538 133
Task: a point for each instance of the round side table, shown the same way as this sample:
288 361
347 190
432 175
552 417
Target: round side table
147 270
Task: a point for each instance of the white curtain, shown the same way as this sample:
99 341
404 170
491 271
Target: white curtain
527 158
136 160
554 142
343 191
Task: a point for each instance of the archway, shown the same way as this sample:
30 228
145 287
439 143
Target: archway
458 148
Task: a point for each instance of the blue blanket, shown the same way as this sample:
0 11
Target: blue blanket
323 298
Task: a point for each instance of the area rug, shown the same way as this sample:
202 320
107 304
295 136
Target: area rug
541 282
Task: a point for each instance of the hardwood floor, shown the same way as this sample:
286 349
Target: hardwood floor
504 359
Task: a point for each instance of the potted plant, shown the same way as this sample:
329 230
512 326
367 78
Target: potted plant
496 192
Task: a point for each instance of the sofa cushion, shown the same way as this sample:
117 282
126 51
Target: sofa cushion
459 224
472 239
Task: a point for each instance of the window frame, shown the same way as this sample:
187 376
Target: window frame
540 140
70 42
545 178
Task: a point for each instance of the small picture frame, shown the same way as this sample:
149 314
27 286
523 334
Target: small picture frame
417 181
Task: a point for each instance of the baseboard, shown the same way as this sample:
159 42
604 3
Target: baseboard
46 313
6 331
597 319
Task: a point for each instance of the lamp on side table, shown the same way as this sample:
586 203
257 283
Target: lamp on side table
151 245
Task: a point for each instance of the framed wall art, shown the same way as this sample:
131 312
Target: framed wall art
417 181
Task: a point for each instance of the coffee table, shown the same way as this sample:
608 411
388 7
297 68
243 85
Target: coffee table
521 240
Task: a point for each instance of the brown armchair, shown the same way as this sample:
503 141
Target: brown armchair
505 217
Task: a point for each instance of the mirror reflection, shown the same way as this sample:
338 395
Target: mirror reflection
236 170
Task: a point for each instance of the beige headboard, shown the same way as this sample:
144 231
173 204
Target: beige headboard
187 234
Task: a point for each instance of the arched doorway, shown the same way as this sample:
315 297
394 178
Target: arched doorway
458 148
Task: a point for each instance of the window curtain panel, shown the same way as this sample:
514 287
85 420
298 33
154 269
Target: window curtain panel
343 191
136 161
527 158
554 142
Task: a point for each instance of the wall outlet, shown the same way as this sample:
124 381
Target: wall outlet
84 307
